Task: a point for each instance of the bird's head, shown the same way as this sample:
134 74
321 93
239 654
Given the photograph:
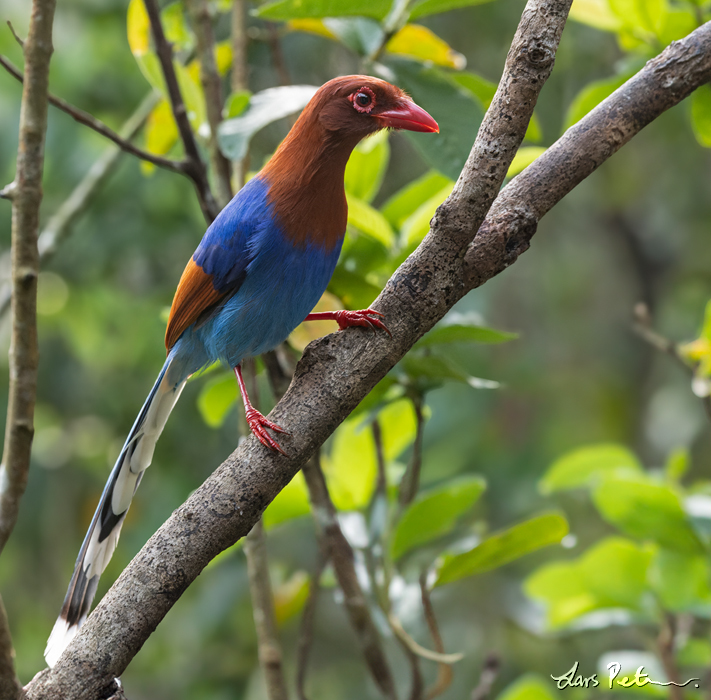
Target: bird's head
359 105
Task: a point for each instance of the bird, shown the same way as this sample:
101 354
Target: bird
258 272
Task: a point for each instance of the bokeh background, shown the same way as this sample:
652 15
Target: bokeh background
576 376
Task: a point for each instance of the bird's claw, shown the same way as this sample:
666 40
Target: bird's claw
366 318
257 424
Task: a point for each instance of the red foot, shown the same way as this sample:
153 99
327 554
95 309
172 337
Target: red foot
366 318
257 424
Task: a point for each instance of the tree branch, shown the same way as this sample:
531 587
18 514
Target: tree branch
194 165
10 687
79 115
228 504
339 551
27 196
270 656
664 82
212 87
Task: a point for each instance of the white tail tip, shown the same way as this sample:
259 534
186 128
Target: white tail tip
62 635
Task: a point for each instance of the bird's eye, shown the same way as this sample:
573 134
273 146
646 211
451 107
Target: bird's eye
363 100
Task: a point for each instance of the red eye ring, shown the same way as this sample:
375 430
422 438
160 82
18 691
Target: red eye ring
363 100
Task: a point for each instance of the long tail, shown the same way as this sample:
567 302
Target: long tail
103 534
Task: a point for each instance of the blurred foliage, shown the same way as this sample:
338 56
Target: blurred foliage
609 428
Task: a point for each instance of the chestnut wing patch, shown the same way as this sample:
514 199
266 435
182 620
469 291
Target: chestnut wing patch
196 293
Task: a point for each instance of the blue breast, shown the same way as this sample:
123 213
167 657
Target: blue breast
278 284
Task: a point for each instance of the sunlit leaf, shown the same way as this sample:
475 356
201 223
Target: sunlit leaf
304 333
223 56
193 95
398 425
175 27
366 167
523 158
236 103
435 514
370 221
611 574
585 465
311 26
422 8
419 42
161 132
416 226
405 202
217 397
530 687
676 23
595 13
504 547
591 95
296 9
290 597
643 508
701 115
291 502
680 580
458 114
265 107
138 28
677 464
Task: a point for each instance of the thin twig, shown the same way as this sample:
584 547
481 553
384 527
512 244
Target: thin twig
60 224
16 35
277 54
212 87
410 482
306 628
444 671
194 166
489 674
270 655
27 196
667 655
643 328
341 554
79 115
9 685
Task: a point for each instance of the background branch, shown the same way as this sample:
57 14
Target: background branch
60 224
82 117
194 165
212 87
232 499
270 654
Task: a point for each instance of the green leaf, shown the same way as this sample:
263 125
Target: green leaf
175 28
431 7
680 580
405 202
463 333
706 327
421 43
193 95
435 514
611 574
677 464
291 502
458 114
585 465
695 652
641 16
265 107
352 288
642 508
430 371
523 158
529 687
591 95
370 221
295 9
361 35
504 547
416 227
398 426
366 167
595 13
216 398
701 115
676 23
161 132
236 104
351 466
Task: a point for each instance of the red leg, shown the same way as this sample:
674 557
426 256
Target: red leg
256 421
345 319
